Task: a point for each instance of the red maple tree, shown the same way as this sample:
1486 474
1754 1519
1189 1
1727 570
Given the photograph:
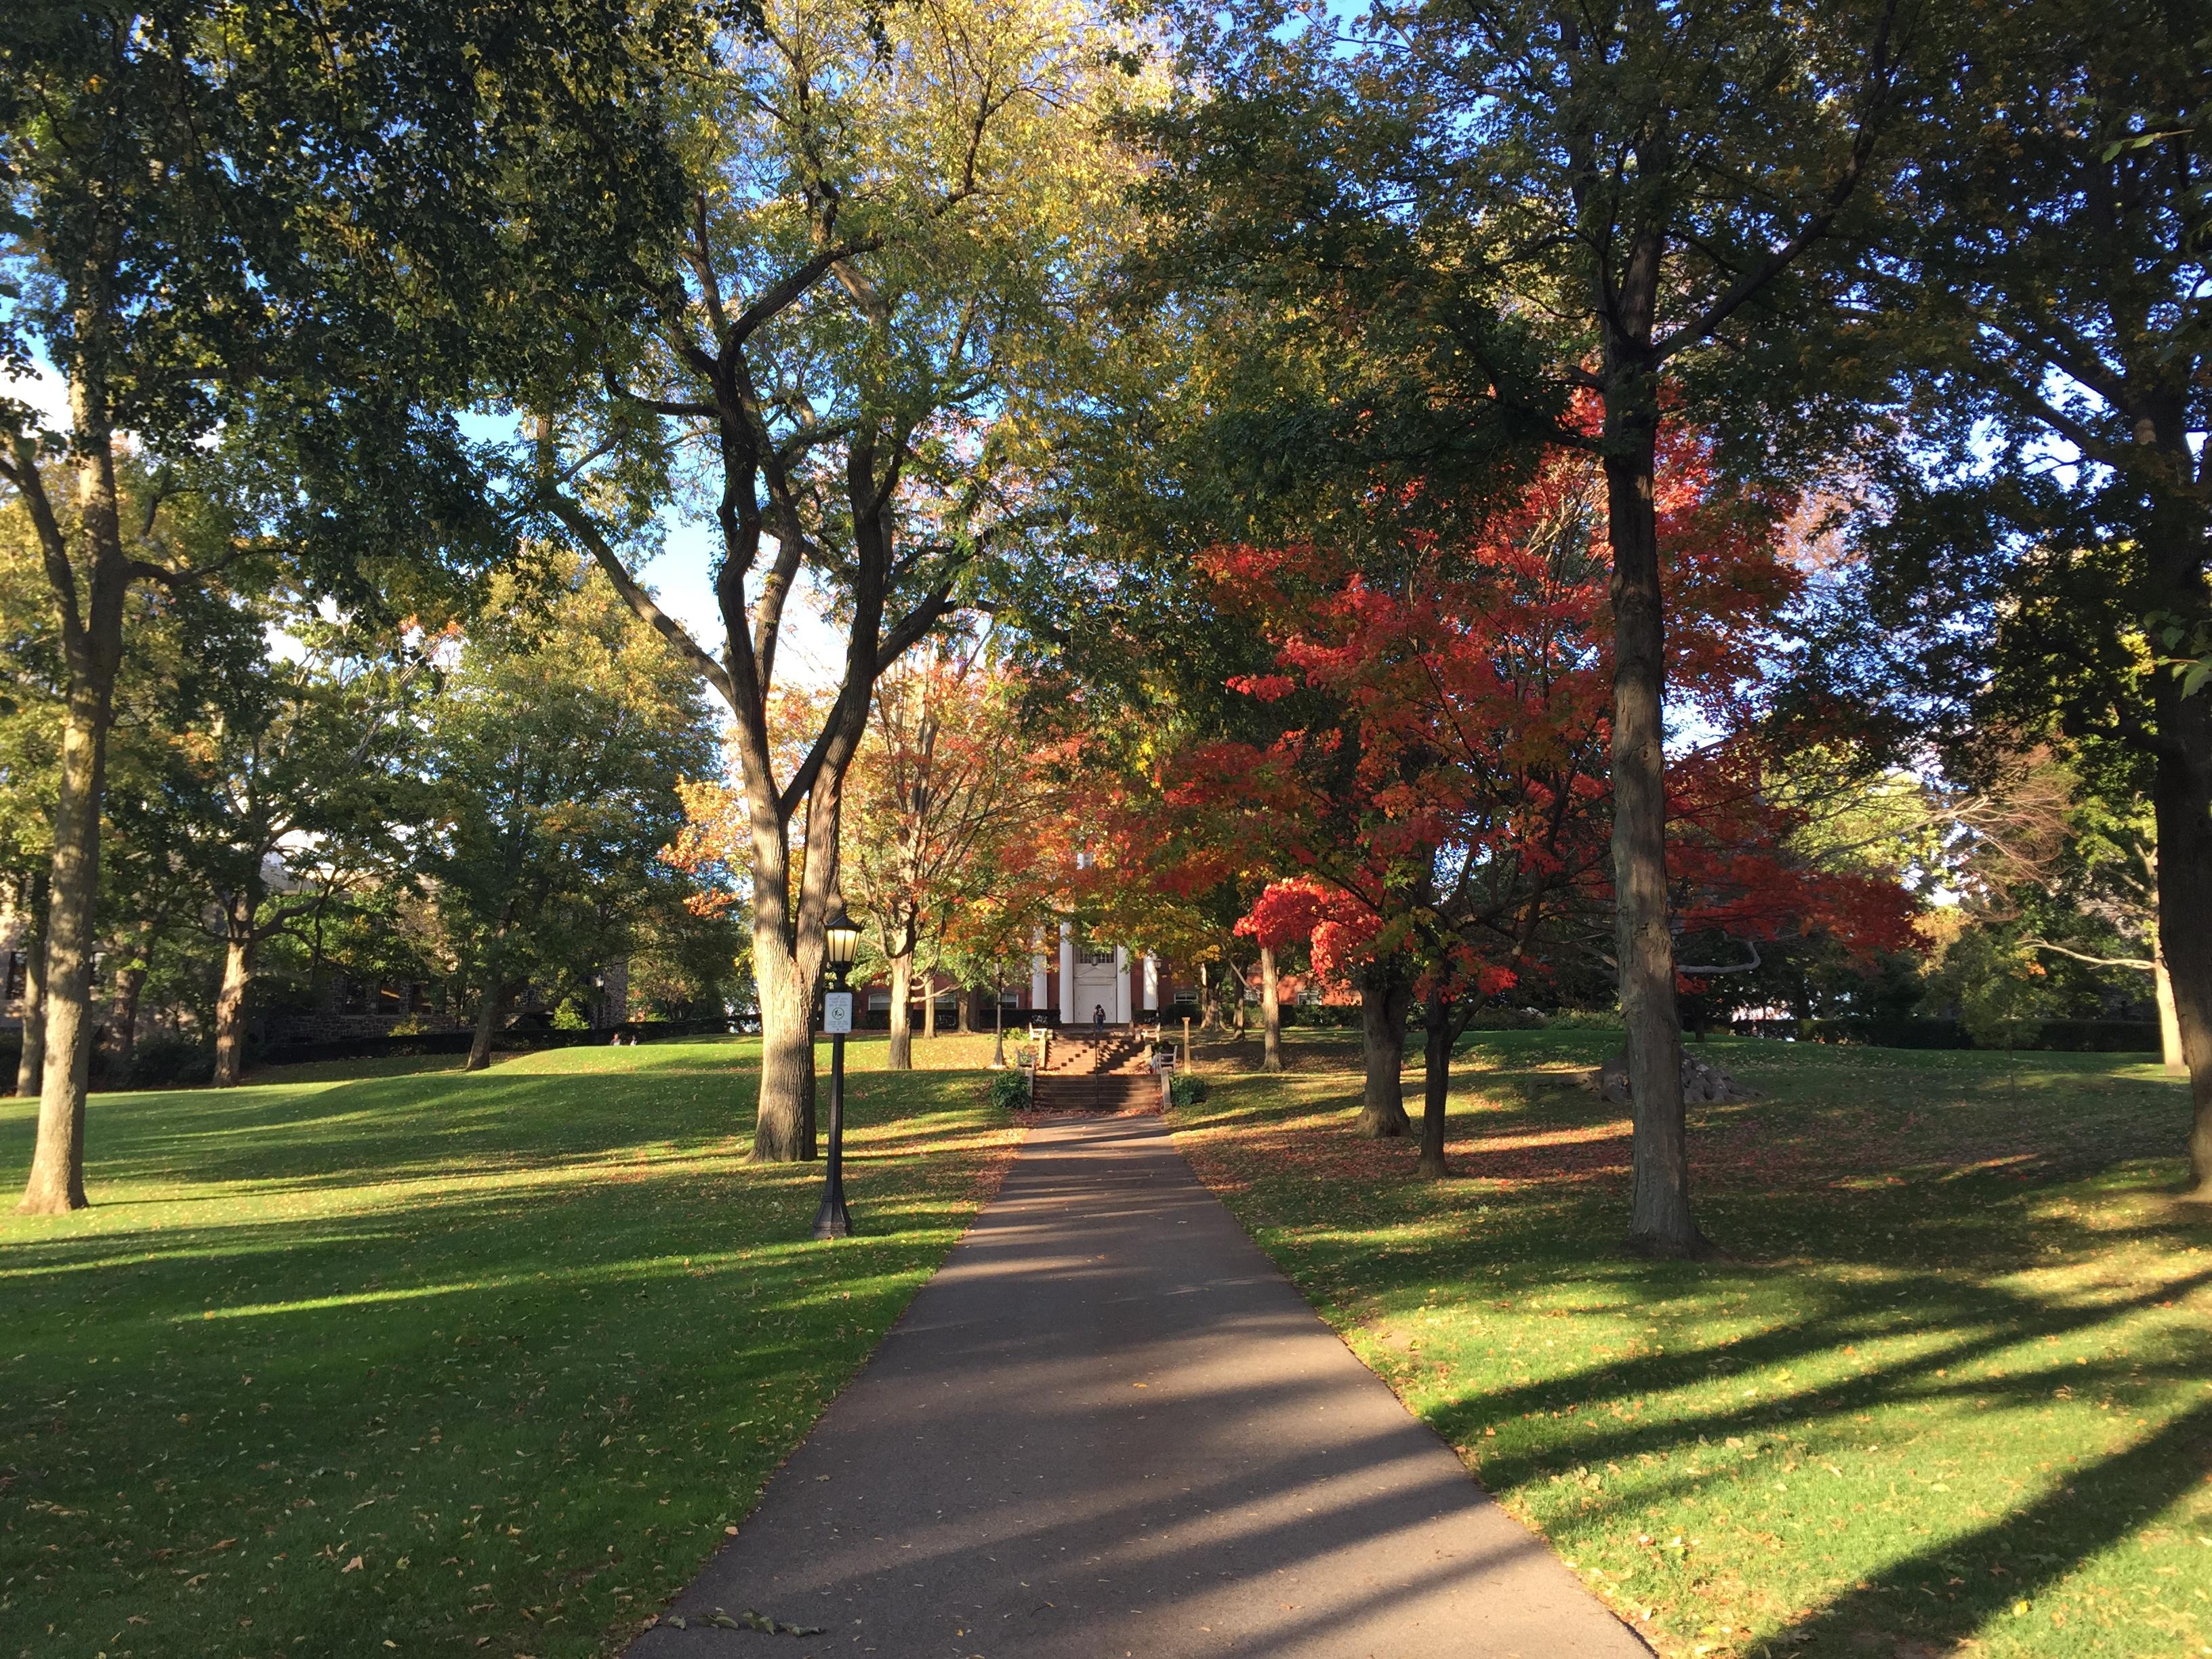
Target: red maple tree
1436 793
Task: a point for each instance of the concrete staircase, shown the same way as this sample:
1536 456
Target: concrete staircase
1087 1074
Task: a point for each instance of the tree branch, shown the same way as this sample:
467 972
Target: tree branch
20 468
2141 962
1747 286
579 523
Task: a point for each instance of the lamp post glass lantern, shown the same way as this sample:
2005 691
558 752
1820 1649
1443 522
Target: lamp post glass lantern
842 944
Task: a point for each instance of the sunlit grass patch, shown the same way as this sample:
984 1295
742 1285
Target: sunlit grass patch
1953 1393
444 1361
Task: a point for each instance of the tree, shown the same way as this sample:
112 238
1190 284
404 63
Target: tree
1436 776
1523 206
939 788
2064 867
555 753
889 214
30 676
1440 778
207 208
282 785
993 930
2054 268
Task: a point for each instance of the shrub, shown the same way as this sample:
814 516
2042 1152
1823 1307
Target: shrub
166 1062
2067 1035
1186 1089
1506 1020
1583 1019
1010 1091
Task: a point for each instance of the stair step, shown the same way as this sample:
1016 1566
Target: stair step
1096 1092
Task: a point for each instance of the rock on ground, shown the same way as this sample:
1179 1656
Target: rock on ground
1701 1080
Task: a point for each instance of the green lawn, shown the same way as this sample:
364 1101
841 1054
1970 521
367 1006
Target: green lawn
341 1364
1951 1394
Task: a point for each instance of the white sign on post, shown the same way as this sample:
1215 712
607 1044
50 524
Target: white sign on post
837 1012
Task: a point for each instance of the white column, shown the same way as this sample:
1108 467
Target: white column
1066 973
1151 985
1036 974
1120 985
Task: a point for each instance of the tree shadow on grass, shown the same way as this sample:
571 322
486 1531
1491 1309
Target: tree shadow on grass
1923 1221
268 1140
1925 1602
1942 1596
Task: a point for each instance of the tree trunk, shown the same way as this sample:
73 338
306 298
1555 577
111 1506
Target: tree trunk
489 1009
900 1055
961 1003
56 1181
92 649
129 987
30 1070
783 1130
929 1005
2169 1022
1384 1003
1271 1014
998 1028
1660 1223
2181 796
491 1001
230 1007
1435 1084
1205 1009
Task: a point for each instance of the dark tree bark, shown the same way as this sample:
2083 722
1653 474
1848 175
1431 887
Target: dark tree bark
491 1002
1385 1000
2181 800
129 987
33 1064
1437 1036
1659 1222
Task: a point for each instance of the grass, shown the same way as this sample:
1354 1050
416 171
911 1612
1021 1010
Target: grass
417 1361
1952 1394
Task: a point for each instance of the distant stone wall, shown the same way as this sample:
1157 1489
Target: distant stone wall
328 1027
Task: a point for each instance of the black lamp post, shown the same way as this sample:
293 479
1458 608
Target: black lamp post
842 944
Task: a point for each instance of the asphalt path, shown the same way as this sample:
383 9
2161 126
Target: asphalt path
1110 1429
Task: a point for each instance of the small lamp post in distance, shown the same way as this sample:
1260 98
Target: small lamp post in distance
841 945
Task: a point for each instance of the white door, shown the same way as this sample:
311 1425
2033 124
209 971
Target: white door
1094 983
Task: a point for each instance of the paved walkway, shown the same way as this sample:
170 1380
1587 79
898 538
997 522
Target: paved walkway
1109 1427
